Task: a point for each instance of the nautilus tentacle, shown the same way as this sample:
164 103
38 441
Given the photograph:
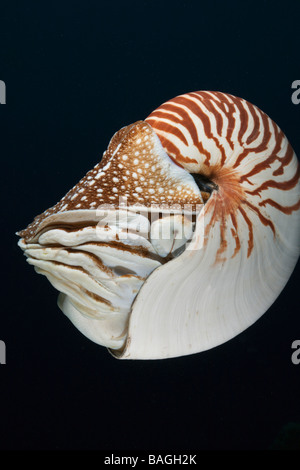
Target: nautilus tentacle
196 235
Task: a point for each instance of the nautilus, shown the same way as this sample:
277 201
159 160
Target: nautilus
182 236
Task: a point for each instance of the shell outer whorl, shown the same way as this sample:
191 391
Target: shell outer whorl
246 241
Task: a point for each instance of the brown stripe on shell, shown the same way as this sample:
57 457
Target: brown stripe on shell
207 128
282 185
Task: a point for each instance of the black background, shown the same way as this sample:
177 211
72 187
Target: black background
75 73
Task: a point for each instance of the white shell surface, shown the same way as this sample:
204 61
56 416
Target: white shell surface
170 233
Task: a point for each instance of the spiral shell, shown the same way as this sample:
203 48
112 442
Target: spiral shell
231 179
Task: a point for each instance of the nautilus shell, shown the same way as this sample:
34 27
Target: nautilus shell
182 236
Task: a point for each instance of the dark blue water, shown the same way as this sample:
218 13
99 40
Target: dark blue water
75 73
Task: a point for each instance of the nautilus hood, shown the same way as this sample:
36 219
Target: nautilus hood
182 236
